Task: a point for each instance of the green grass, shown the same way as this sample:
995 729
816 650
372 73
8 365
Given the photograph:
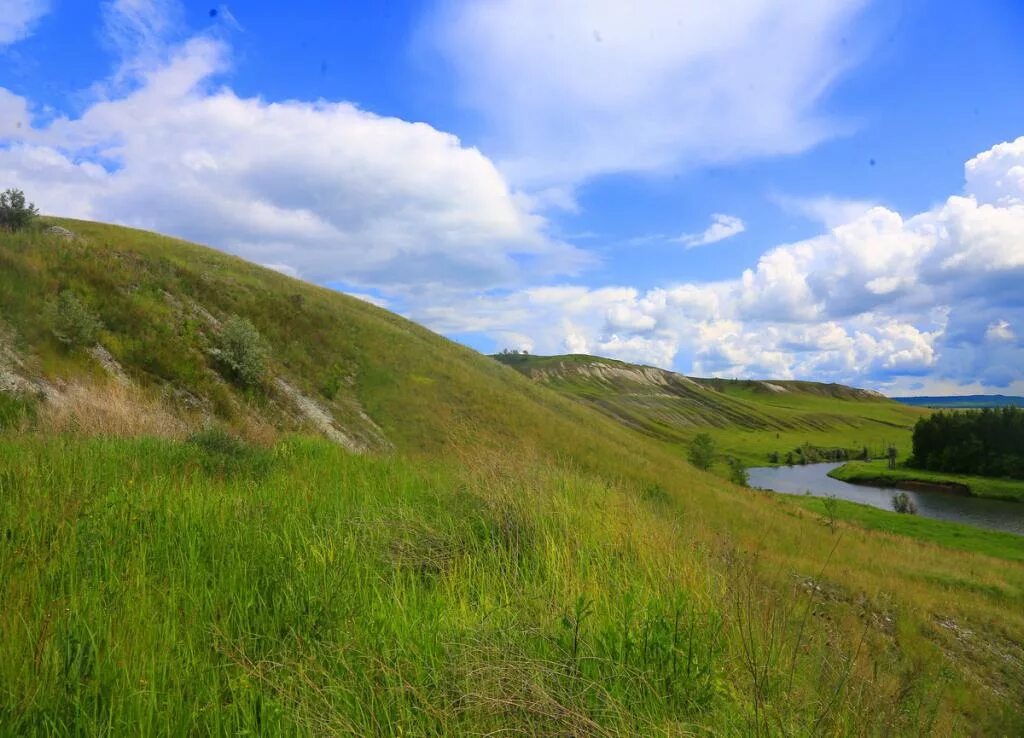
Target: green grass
878 472
952 535
150 589
515 561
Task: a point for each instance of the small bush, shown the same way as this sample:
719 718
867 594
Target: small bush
831 508
738 473
15 213
656 493
902 503
702 451
74 324
240 351
223 453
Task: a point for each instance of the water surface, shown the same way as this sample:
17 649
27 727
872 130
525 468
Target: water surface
978 511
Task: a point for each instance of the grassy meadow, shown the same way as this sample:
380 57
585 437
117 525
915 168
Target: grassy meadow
952 535
172 588
878 472
183 556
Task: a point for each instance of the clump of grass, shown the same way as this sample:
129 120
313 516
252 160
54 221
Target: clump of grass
17 410
225 454
108 409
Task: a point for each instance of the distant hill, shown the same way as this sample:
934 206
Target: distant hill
962 401
749 418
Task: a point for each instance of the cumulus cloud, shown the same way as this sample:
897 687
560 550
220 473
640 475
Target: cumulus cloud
322 189
580 88
18 18
883 300
722 227
825 209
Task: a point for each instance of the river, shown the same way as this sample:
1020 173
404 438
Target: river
978 511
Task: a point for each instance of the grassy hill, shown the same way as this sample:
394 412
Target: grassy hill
748 419
183 555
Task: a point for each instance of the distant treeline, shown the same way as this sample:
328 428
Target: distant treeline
987 442
808 454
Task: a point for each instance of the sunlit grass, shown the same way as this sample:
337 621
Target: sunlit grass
150 588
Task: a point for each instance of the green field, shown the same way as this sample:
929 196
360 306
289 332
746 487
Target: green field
952 535
180 555
877 472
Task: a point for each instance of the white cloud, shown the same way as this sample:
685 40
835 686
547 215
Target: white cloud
997 176
580 88
1000 330
328 190
883 300
14 114
722 227
372 299
825 209
18 18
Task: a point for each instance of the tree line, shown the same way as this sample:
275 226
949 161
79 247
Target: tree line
988 442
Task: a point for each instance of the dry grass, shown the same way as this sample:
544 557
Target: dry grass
109 409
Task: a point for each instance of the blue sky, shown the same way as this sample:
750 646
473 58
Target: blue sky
745 188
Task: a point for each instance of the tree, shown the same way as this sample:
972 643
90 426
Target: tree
15 213
240 351
702 451
738 473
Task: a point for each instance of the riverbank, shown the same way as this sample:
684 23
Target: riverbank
952 535
877 473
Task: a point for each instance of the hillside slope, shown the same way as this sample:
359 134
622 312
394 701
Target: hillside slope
338 366
750 418
503 557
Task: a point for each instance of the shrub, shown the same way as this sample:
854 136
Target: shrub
240 351
74 324
902 503
656 493
15 213
738 473
224 454
702 451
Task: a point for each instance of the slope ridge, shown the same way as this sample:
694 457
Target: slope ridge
672 407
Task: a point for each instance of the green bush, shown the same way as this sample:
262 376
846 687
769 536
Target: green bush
738 473
224 454
240 351
74 324
15 213
702 451
902 503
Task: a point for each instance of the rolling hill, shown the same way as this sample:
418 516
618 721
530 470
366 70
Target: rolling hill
748 418
390 534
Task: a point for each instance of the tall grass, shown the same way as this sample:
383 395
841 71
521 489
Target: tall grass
149 588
